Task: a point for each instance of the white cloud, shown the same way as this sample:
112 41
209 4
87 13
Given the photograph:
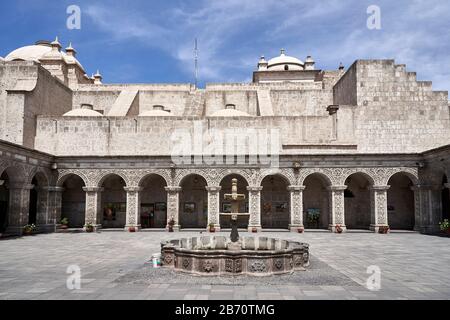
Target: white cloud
233 33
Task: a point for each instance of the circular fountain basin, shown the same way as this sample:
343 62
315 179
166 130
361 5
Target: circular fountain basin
216 255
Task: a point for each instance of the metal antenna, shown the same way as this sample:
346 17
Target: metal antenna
196 63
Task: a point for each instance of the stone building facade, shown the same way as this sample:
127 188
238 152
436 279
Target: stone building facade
349 149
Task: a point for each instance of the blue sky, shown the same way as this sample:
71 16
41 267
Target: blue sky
139 41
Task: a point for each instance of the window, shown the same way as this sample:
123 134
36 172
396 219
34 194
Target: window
286 68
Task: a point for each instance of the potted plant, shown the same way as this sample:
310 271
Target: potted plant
64 223
339 228
445 226
29 229
383 229
89 228
171 224
212 228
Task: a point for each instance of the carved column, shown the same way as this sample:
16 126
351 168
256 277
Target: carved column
173 206
94 214
378 207
214 207
337 208
42 209
133 208
54 205
296 208
19 205
254 201
417 208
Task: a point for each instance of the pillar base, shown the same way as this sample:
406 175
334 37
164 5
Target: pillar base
334 228
254 229
376 227
297 228
97 227
216 228
136 228
176 228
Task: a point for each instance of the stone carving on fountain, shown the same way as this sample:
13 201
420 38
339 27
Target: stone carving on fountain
211 256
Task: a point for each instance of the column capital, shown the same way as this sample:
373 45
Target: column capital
54 189
93 189
18 185
337 188
133 189
296 188
254 189
426 187
173 189
213 188
379 188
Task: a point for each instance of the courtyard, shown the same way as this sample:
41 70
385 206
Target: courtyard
115 265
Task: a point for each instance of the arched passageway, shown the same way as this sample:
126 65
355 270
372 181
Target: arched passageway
316 207
114 202
4 202
400 202
73 202
275 203
225 206
357 201
445 198
193 202
153 199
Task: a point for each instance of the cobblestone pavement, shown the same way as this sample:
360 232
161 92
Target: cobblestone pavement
113 266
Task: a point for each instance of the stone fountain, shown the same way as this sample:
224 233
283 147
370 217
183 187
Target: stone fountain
219 255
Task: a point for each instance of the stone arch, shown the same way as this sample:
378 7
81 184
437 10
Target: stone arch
193 199
322 174
362 172
153 200
412 174
63 175
73 199
400 201
38 204
113 199
357 200
183 174
247 175
146 175
104 175
316 200
275 202
287 176
16 173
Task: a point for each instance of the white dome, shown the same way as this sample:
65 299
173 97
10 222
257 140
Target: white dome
283 60
37 52
156 113
83 113
29 53
230 113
